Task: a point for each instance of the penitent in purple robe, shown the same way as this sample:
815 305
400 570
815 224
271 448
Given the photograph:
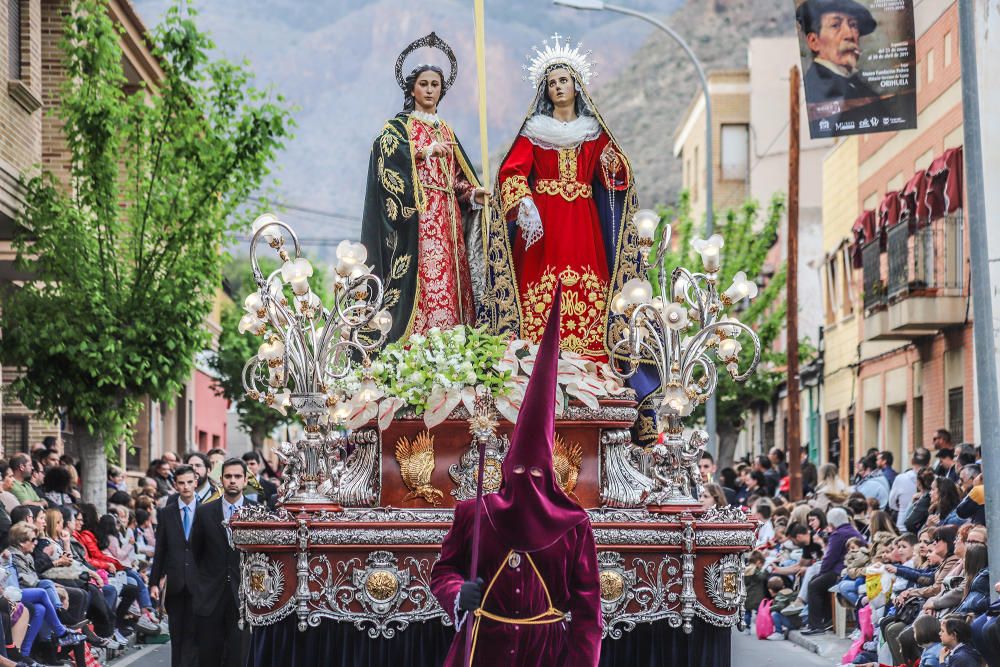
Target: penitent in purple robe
569 569
541 602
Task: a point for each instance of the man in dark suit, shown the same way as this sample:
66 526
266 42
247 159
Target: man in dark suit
259 488
216 604
173 560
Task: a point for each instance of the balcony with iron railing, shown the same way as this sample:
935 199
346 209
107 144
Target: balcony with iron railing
914 288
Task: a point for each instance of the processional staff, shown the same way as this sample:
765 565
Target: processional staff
485 153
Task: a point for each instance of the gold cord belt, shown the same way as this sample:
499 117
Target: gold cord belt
567 189
449 191
547 617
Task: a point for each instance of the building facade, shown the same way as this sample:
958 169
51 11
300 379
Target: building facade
30 135
750 146
896 284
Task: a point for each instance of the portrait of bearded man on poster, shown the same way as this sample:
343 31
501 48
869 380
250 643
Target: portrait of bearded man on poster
835 89
565 197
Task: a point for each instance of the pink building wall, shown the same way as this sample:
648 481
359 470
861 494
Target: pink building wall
209 414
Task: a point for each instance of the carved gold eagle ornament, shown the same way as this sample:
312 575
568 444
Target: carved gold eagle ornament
416 465
567 457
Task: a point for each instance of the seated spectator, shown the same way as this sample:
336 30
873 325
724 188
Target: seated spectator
856 561
765 534
116 480
712 495
973 506
873 483
944 500
57 488
946 466
956 644
920 507
8 499
782 596
754 578
831 490
40 605
820 613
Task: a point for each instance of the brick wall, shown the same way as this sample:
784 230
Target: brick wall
20 146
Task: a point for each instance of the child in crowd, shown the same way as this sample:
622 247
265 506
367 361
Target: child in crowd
781 596
754 578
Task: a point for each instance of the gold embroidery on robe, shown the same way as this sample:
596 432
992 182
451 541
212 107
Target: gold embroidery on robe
582 312
513 190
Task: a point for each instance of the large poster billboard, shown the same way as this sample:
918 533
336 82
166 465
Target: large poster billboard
859 64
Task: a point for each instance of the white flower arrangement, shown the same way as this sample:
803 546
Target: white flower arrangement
434 373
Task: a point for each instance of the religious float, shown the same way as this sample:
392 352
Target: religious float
398 429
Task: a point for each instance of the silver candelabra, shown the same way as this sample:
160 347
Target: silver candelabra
306 353
679 331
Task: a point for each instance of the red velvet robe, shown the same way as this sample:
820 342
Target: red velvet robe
572 248
569 569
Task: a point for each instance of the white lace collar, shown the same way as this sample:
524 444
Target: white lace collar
429 118
547 132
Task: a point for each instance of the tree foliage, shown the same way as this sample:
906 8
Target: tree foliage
748 236
126 254
236 348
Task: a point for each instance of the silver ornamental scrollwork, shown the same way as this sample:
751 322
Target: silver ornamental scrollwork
622 482
361 482
724 582
607 413
386 536
655 593
372 596
263 580
728 514
253 536
260 513
307 351
465 473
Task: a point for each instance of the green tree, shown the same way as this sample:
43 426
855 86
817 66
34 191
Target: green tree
127 254
236 348
748 237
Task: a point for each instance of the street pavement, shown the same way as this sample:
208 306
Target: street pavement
748 651
154 655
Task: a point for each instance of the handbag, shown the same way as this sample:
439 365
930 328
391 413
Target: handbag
910 610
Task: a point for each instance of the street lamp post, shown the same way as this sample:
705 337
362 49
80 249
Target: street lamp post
598 5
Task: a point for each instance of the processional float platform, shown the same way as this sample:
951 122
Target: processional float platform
671 576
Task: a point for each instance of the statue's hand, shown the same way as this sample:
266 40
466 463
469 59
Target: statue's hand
481 195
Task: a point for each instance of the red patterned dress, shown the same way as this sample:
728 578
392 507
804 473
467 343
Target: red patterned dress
571 248
444 287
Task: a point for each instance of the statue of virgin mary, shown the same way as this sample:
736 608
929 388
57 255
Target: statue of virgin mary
565 206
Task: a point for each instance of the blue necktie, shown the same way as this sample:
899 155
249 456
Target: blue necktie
187 521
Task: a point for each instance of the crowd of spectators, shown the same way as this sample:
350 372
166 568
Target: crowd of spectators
75 577
903 553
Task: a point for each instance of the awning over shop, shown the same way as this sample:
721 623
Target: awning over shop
888 212
944 184
913 200
864 231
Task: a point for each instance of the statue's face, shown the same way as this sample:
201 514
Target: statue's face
560 87
427 91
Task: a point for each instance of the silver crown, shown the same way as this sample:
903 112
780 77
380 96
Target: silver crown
558 53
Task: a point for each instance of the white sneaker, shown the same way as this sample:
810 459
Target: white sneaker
147 626
135 609
119 638
856 634
776 637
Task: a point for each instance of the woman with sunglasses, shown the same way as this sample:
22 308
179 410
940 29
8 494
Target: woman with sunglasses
37 601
